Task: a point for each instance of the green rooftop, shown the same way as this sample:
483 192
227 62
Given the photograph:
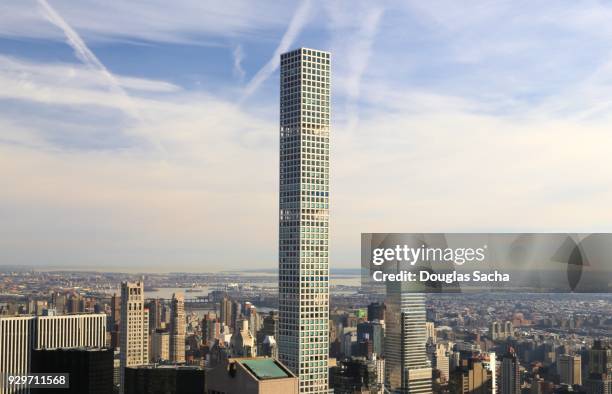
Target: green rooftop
265 369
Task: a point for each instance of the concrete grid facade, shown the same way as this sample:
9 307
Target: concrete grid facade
20 335
304 216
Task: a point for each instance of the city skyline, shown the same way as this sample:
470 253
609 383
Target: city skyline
131 143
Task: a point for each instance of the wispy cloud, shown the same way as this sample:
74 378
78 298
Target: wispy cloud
298 21
238 54
86 55
360 55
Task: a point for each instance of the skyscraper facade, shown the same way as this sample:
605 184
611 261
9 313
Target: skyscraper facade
304 216
406 363
177 325
134 342
510 373
19 335
570 369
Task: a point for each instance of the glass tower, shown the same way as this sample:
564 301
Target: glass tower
407 370
304 216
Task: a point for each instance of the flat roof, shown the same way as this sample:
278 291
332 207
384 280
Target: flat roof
265 368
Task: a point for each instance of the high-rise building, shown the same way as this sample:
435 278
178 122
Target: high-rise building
570 369
599 379
177 327
225 311
90 369
115 310
160 346
406 362
431 331
134 342
155 313
376 311
472 377
19 335
372 332
355 375
510 373
242 343
304 216
441 362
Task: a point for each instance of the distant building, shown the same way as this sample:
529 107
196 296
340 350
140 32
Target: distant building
269 347
225 311
510 373
155 314
373 332
501 331
90 369
376 311
441 362
599 379
355 375
242 343
256 375
177 327
166 379
570 369
431 331
160 346
269 329
472 377
134 338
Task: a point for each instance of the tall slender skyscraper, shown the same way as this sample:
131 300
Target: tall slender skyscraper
304 216
177 326
134 342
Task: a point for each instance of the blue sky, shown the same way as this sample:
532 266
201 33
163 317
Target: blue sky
144 135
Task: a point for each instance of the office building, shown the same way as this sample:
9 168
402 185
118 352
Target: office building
441 362
304 216
155 313
376 311
160 346
258 375
225 311
242 343
431 332
177 327
355 375
406 362
166 379
510 373
90 369
372 332
472 377
134 341
599 379
20 335
570 369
